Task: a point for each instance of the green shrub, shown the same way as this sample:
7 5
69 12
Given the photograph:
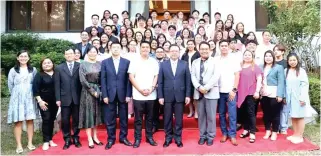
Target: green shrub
14 42
52 45
4 86
7 62
314 92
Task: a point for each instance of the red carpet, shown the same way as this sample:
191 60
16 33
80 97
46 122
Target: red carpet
190 138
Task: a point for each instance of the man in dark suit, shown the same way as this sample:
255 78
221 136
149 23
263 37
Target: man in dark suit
174 89
67 90
117 91
83 45
95 21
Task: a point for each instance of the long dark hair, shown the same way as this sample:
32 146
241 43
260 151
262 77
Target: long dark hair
272 54
187 45
297 68
161 34
136 19
42 60
198 32
151 33
17 65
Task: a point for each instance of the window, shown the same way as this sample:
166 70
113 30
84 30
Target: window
261 16
45 16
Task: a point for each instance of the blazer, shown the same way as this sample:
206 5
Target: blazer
185 57
100 30
112 83
211 77
113 38
276 77
67 85
174 87
79 47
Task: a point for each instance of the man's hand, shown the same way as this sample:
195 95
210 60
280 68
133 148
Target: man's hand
202 90
231 96
128 99
278 99
187 100
161 101
43 105
106 101
58 103
96 95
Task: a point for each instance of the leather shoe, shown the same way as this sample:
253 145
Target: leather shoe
126 142
224 139
179 144
67 145
201 141
167 143
234 142
209 142
98 143
77 143
151 142
109 145
136 144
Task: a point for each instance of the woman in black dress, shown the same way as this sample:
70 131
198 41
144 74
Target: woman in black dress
44 91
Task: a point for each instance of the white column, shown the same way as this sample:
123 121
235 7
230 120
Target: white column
99 6
3 16
242 10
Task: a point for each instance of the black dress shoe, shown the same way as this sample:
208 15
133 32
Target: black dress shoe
126 142
167 143
136 144
151 142
77 143
179 144
209 142
201 141
98 143
109 145
67 145
91 146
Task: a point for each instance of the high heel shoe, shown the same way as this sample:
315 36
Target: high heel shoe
98 143
267 135
31 148
190 115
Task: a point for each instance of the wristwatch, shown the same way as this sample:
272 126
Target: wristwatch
234 90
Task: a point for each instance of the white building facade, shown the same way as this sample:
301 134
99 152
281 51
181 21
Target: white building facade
65 19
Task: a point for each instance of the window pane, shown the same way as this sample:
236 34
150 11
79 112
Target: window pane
19 13
261 16
76 15
48 15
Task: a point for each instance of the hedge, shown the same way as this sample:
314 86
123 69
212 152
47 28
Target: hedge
314 92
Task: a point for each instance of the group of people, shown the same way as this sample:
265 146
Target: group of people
155 67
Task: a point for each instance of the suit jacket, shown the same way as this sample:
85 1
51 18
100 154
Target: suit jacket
79 47
113 39
172 87
100 29
276 77
211 76
67 86
112 83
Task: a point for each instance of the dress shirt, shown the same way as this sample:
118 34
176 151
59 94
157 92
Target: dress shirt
116 63
174 66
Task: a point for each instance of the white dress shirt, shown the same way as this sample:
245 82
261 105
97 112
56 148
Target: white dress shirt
116 63
174 66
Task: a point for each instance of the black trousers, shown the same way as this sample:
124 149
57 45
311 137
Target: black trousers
66 112
48 117
110 115
158 110
178 109
249 113
271 113
142 107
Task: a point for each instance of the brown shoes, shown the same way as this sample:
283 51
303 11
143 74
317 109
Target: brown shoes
234 142
223 139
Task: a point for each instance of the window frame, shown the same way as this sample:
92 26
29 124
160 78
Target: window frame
67 9
269 19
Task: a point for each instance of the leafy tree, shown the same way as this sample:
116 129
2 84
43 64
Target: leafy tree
296 24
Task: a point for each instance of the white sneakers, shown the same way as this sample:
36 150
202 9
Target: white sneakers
46 145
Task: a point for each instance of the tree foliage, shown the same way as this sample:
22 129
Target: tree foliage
296 24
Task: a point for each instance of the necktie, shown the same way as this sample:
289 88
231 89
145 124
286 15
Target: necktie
70 68
201 72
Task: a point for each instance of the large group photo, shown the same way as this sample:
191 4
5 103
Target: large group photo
165 83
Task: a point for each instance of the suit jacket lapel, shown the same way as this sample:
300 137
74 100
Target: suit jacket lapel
111 63
120 64
66 69
74 69
177 67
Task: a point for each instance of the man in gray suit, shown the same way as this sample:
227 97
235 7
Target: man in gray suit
205 76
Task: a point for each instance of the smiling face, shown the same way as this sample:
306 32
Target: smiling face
47 65
69 55
293 61
204 51
268 58
115 50
92 54
23 58
248 57
77 54
174 52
